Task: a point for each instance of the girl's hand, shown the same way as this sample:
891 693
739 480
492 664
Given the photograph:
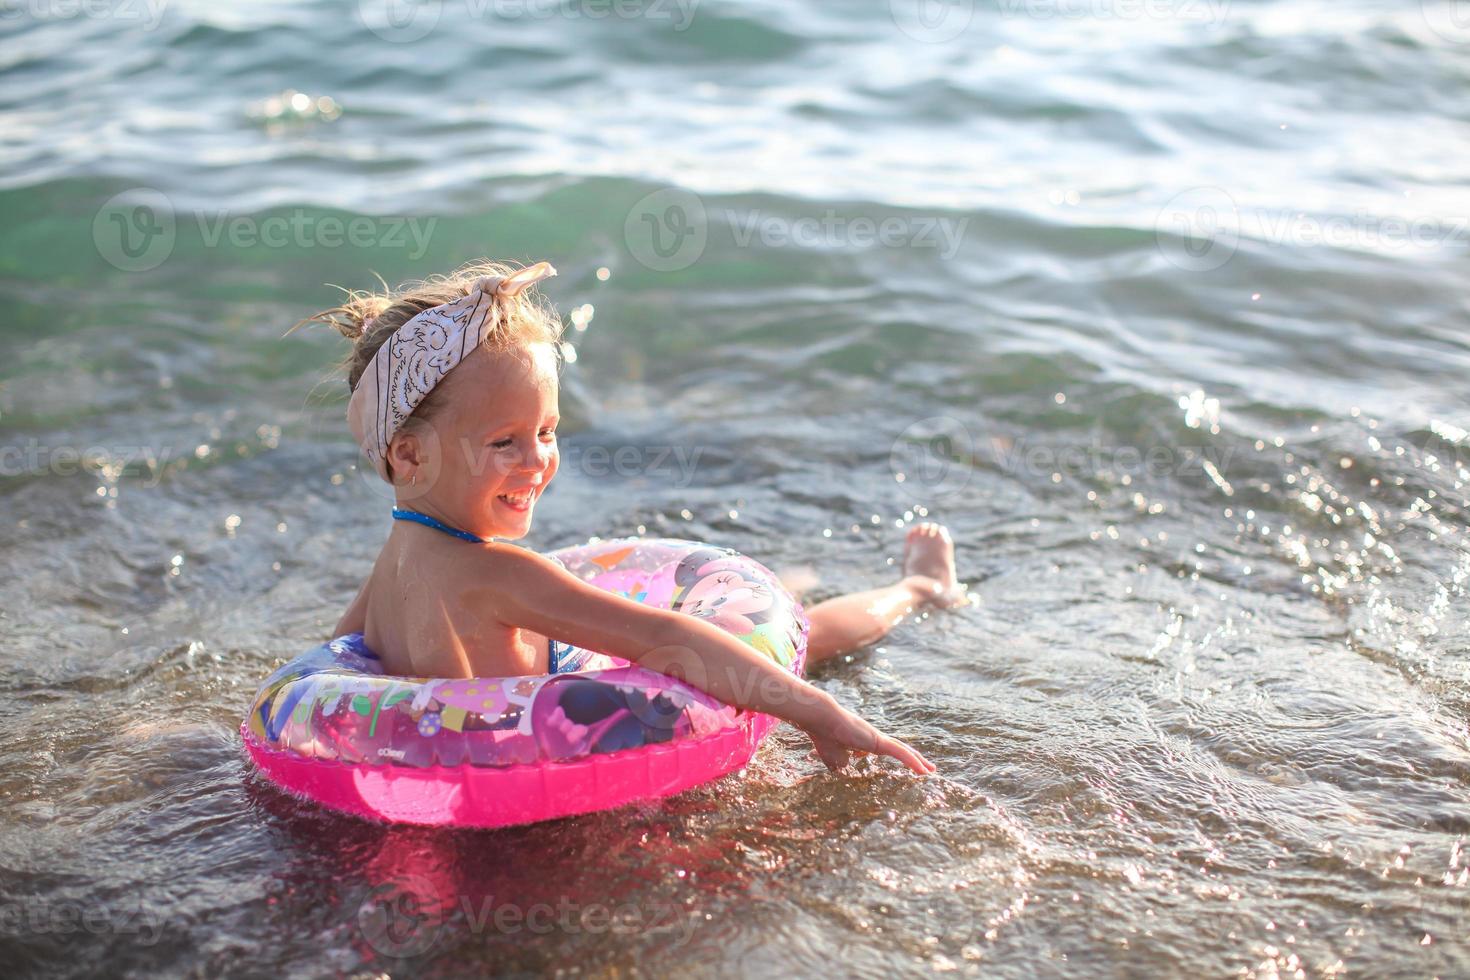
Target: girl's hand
837 733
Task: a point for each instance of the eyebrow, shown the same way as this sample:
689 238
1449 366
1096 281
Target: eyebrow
506 426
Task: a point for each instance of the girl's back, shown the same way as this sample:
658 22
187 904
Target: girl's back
419 612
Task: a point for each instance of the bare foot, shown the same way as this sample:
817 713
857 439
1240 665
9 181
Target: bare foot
928 554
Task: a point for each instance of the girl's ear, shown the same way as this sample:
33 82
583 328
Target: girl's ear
413 455
405 453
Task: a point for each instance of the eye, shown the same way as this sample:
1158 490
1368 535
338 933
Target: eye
501 444
548 433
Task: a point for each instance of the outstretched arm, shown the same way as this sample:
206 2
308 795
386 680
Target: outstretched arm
531 592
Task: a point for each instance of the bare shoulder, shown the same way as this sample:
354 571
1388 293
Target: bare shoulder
509 566
505 575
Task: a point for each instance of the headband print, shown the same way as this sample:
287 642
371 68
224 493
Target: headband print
421 352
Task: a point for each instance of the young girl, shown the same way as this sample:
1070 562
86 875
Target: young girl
455 404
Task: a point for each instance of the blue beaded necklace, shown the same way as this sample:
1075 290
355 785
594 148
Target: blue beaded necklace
404 514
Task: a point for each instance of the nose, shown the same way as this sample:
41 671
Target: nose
537 457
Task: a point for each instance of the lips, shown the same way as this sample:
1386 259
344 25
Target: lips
520 500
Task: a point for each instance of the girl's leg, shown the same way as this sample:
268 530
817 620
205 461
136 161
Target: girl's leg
853 621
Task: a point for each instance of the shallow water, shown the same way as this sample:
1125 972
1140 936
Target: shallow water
1160 307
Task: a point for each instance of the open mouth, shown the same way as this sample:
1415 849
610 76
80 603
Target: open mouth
521 500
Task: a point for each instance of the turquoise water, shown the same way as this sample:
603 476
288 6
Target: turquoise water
1160 306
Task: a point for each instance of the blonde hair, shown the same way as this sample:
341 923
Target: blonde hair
368 319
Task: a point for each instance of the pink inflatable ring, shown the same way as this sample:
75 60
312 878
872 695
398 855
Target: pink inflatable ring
496 751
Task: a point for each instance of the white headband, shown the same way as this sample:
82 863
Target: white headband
420 353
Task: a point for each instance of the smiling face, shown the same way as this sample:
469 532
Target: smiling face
489 451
